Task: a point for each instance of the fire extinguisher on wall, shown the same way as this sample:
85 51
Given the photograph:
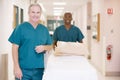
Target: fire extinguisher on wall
109 52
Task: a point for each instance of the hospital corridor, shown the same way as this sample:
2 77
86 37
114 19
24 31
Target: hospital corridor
94 54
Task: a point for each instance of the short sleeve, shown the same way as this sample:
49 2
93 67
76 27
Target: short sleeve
80 35
15 36
49 40
55 35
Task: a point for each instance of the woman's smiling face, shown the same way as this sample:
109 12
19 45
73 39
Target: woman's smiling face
34 13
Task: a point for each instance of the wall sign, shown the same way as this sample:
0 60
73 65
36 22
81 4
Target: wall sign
110 11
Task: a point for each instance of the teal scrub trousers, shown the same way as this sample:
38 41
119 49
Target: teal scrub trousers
32 74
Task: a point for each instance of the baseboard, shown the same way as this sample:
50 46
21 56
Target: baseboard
4 66
112 73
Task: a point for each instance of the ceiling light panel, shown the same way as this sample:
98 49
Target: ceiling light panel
59 3
58 8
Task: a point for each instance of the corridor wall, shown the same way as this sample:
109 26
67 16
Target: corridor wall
6 27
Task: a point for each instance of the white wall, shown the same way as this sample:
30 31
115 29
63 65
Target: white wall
24 5
5 25
89 20
112 27
80 18
6 20
97 47
109 34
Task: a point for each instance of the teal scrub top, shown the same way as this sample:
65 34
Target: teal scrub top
72 35
28 38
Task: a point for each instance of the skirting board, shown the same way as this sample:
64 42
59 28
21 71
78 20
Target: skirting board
112 73
3 66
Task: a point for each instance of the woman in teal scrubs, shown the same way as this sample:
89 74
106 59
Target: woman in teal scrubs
30 40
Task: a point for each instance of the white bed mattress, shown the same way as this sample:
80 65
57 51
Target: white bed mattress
69 68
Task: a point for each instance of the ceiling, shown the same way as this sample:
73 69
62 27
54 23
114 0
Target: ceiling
71 5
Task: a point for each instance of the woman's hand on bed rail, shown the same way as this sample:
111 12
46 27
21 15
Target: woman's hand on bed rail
42 48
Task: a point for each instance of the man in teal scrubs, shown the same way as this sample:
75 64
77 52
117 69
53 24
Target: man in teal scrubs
30 40
67 32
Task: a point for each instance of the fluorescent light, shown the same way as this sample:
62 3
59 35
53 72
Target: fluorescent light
59 3
58 11
58 8
56 14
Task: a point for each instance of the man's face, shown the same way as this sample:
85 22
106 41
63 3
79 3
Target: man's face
34 13
67 18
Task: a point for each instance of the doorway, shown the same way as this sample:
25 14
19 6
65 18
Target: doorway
15 16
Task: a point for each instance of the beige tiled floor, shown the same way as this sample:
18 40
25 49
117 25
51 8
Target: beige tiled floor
101 77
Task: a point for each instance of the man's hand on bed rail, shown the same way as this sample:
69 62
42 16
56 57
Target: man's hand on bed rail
54 45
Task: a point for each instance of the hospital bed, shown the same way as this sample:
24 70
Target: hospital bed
68 68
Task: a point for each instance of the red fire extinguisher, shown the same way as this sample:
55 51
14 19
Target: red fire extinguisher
109 52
